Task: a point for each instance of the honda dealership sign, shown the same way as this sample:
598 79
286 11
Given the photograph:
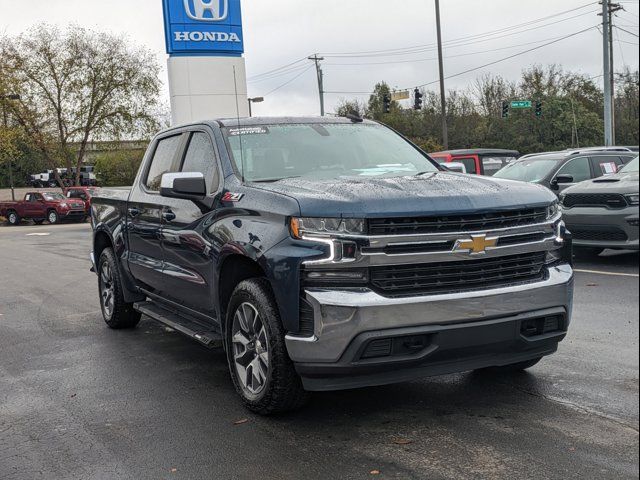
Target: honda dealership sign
203 27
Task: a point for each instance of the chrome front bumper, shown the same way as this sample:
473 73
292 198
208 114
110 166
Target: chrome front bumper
341 315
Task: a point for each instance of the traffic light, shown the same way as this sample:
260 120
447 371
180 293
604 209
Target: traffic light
417 105
386 103
505 109
538 109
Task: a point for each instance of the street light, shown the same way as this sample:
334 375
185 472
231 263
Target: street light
4 98
254 100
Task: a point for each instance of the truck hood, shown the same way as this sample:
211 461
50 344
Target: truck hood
434 193
619 183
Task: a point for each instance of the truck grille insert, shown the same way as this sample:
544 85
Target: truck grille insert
611 234
453 277
606 200
456 223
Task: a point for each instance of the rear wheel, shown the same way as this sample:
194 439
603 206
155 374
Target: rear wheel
13 218
117 313
52 217
261 370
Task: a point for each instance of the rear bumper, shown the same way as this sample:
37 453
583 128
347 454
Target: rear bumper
445 333
602 219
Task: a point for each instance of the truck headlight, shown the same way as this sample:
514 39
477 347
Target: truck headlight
633 199
552 210
326 226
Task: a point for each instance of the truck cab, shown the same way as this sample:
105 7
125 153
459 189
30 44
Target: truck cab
331 253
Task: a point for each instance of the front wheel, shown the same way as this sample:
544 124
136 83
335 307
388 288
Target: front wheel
117 313
53 217
261 370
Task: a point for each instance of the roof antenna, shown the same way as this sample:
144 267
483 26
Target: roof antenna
235 85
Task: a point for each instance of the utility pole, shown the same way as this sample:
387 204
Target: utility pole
4 98
606 54
317 61
443 98
613 8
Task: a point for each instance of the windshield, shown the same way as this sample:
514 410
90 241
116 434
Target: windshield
631 167
53 196
323 151
529 170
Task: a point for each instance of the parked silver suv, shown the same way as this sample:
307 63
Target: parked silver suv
603 213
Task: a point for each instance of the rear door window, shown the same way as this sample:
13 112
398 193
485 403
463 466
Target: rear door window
469 164
606 164
201 157
578 168
164 161
491 165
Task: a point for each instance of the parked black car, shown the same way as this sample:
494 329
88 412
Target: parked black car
560 170
327 253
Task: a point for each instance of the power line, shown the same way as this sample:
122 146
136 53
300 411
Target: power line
289 81
392 62
627 31
483 66
459 42
461 39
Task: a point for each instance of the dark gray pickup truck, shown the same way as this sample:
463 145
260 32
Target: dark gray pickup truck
327 254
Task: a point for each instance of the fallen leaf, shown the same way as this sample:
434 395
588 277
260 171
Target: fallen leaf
74 395
240 422
592 284
375 472
402 441
174 470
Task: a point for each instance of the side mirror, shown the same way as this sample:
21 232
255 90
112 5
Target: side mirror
186 186
563 179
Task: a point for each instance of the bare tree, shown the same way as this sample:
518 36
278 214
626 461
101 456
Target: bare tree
78 86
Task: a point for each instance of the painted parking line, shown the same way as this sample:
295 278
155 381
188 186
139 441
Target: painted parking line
613 274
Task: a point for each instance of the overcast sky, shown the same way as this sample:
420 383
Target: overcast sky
278 32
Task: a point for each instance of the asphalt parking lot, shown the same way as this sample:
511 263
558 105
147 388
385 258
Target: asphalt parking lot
79 401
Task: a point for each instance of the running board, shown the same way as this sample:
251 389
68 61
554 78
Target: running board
202 333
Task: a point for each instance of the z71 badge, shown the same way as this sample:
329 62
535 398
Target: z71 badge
232 197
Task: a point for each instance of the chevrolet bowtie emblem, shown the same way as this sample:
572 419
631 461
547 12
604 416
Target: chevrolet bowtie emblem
476 245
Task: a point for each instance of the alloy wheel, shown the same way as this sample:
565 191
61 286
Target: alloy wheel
107 289
250 349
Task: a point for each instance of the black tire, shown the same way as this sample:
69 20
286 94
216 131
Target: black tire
282 390
514 367
13 218
53 217
120 314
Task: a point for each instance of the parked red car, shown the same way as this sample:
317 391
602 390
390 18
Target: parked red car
41 206
82 193
480 161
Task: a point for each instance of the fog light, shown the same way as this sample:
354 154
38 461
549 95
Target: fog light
358 276
634 222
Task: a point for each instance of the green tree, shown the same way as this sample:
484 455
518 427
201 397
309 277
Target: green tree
118 168
78 86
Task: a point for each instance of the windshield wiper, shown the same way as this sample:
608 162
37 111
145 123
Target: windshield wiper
272 180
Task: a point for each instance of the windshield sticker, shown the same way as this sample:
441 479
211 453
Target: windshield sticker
234 132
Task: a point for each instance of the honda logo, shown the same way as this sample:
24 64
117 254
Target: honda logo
207 10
